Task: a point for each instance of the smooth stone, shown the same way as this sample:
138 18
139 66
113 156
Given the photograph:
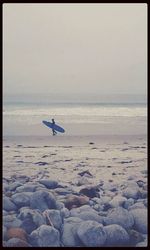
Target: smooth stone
69 232
22 178
55 218
110 193
84 208
91 233
96 200
116 235
117 201
128 203
28 225
135 237
22 199
14 185
63 191
140 183
85 172
137 205
105 200
8 205
119 216
15 242
75 201
96 207
42 200
59 205
31 219
110 187
27 188
65 213
11 221
83 181
90 191
51 184
16 233
131 192
45 236
140 219
88 215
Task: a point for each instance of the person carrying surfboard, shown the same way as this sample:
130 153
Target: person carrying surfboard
54 132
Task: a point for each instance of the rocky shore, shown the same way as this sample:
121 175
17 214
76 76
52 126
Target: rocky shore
44 213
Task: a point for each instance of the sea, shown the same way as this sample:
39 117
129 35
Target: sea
25 118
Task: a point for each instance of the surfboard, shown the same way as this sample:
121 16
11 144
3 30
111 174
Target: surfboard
54 126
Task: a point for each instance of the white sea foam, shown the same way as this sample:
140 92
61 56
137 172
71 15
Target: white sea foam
20 116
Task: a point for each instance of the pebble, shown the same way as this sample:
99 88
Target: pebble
131 192
85 172
8 205
22 178
119 216
82 181
75 201
15 242
14 185
140 183
84 208
11 221
45 236
92 234
91 191
16 233
89 215
53 218
136 206
65 213
22 199
42 200
31 219
116 235
69 232
63 191
135 237
129 202
117 201
51 184
140 219
59 205
29 187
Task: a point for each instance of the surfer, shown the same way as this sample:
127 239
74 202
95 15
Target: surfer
54 132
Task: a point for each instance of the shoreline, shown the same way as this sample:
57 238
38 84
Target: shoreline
74 139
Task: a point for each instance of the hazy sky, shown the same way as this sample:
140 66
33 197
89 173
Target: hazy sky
72 48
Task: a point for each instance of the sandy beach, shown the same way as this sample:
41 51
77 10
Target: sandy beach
113 163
